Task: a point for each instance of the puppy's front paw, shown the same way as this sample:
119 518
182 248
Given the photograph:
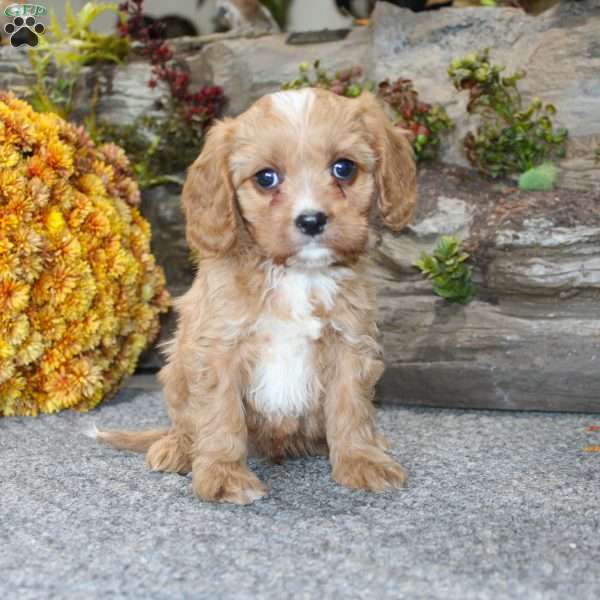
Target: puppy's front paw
227 482
374 471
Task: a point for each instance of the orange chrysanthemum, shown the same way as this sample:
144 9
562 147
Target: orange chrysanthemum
80 293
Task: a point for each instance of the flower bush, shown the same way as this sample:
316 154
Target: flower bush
80 293
426 123
511 138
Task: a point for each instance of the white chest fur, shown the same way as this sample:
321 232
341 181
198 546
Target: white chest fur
285 381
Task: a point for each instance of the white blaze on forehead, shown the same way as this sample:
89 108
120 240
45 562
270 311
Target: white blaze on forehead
294 105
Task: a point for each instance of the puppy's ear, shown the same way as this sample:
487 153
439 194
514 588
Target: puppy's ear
396 170
208 197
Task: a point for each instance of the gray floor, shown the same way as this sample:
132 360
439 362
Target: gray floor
500 505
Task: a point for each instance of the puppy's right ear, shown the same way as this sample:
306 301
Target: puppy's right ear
396 170
208 197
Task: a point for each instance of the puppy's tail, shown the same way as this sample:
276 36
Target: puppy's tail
136 441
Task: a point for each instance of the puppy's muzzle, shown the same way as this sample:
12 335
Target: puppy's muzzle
311 223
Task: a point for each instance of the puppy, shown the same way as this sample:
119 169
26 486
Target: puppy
276 350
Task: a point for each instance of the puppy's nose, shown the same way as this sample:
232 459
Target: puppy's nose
311 223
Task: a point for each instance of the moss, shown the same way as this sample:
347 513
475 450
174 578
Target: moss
539 178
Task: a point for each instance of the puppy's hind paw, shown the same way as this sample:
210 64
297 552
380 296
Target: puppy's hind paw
171 454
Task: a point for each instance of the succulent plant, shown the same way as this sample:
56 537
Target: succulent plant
346 82
446 268
511 137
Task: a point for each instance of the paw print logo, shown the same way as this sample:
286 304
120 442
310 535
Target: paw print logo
24 31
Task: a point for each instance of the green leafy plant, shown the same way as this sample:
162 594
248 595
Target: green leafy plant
77 43
446 268
426 123
346 82
155 146
53 89
511 137
57 61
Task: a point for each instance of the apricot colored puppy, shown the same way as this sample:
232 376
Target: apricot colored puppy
276 350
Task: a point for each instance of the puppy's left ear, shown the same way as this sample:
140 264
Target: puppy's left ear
396 173
208 197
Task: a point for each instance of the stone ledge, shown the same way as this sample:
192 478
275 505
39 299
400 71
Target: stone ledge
531 339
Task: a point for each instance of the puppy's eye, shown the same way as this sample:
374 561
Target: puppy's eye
343 169
267 179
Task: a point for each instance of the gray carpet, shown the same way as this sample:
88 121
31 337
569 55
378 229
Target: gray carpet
500 505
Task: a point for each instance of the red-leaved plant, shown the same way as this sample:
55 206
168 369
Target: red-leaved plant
197 107
426 122
168 142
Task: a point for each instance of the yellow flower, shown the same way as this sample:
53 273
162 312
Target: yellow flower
91 185
7 350
18 330
11 392
14 296
7 370
9 157
80 293
31 349
12 184
37 168
59 156
55 222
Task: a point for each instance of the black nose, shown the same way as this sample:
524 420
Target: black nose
311 223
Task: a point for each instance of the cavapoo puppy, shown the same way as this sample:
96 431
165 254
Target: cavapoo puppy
276 351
